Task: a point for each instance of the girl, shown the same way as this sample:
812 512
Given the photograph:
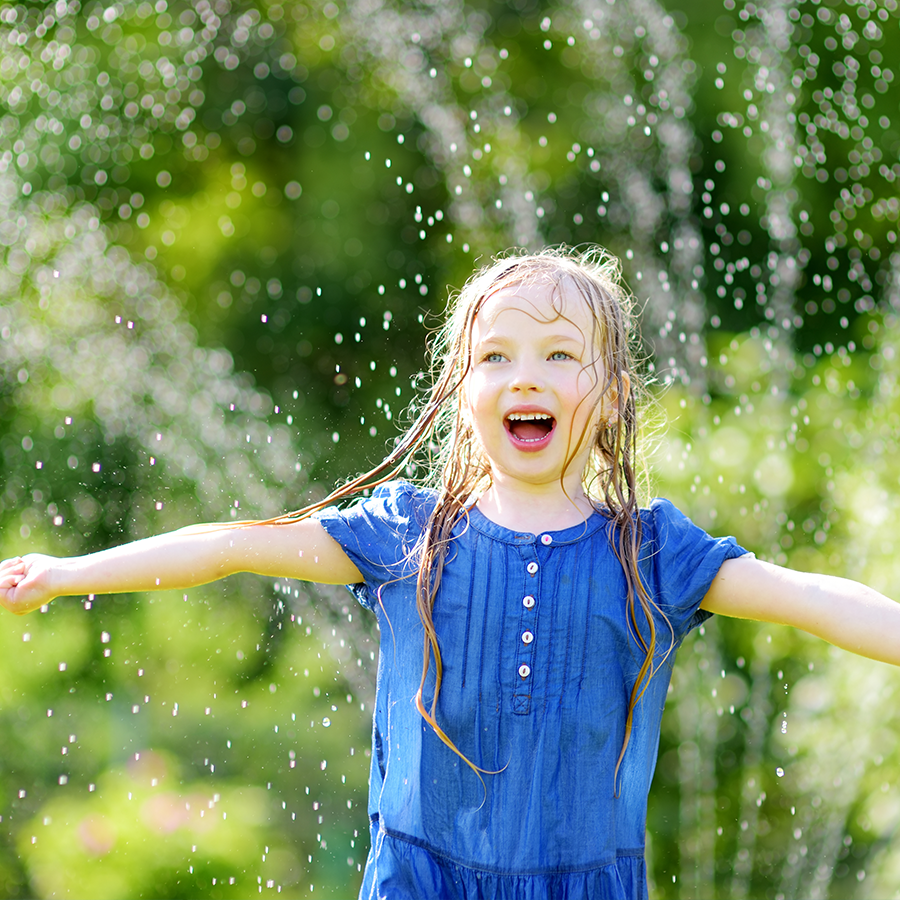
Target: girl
529 610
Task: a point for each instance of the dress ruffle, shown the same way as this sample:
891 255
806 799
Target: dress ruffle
401 868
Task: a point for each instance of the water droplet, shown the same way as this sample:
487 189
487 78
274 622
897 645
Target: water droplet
326 722
779 771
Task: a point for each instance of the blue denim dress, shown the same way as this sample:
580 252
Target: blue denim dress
539 662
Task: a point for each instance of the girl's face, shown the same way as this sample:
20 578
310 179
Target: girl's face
534 392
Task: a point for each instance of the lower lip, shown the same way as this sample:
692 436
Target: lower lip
530 446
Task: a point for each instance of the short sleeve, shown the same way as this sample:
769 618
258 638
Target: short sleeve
380 534
683 560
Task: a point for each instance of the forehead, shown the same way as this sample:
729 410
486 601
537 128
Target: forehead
534 305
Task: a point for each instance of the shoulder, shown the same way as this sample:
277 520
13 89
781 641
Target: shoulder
400 498
662 514
660 520
661 506
396 504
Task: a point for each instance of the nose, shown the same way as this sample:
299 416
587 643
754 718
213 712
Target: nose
525 377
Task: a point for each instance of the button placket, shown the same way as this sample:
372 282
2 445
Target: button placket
526 639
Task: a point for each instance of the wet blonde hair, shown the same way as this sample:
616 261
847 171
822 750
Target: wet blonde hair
441 438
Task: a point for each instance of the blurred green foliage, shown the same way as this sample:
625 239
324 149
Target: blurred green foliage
226 230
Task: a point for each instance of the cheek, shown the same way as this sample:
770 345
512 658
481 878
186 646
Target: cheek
589 385
473 392
470 401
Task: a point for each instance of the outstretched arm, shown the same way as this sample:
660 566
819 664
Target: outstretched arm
179 559
842 612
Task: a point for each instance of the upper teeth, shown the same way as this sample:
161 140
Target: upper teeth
527 417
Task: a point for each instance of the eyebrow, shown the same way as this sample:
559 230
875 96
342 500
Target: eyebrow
556 338
493 338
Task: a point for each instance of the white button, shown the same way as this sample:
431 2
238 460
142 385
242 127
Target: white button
546 539
532 567
527 637
528 601
524 670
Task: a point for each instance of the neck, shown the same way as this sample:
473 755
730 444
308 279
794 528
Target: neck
546 508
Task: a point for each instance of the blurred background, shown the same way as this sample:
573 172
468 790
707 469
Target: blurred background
226 232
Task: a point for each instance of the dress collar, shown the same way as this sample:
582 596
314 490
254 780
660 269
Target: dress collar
572 535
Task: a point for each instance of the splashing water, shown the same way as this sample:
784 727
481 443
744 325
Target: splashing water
190 193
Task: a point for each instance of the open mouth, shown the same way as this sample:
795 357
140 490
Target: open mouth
530 428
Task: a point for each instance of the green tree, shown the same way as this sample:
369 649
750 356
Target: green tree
226 230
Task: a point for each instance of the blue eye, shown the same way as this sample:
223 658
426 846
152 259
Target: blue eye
560 354
493 357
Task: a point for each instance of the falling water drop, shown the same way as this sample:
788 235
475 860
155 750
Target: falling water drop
802 113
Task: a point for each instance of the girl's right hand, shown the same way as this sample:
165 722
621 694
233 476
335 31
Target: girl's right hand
25 583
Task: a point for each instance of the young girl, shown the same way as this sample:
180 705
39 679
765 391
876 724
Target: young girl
529 610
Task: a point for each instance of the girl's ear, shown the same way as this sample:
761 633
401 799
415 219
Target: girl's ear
615 397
